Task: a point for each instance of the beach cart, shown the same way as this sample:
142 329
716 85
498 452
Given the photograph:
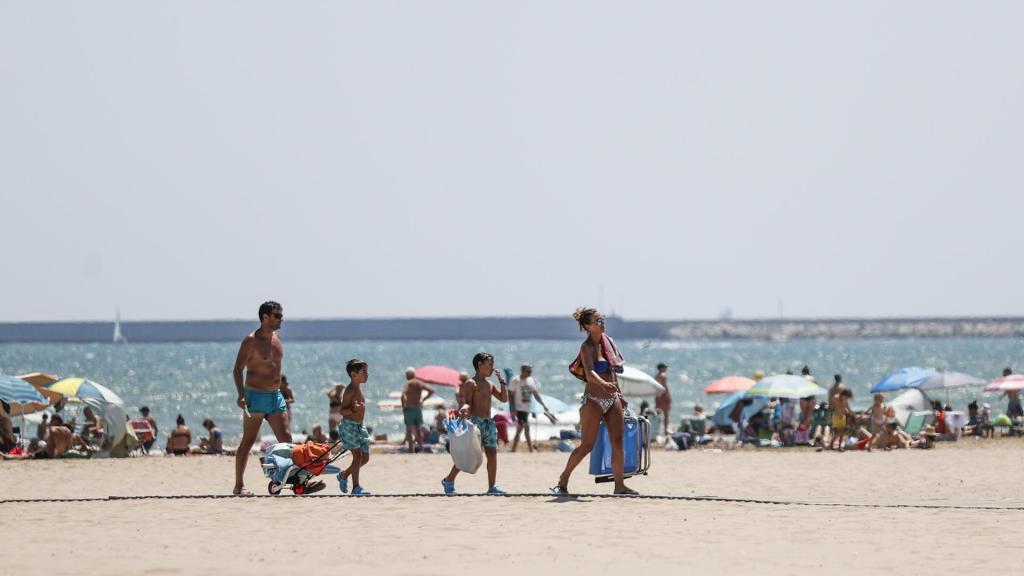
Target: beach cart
296 466
636 444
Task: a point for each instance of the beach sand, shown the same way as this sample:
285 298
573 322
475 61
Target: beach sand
820 513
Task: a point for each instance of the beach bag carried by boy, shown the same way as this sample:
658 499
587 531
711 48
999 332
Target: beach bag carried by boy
464 445
311 456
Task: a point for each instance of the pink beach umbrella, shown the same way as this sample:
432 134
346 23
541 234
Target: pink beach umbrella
440 375
1011 382
729 385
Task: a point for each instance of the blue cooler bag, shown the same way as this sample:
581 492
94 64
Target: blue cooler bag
635 446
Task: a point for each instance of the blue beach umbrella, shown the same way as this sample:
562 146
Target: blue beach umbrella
911 377
16 393
721 416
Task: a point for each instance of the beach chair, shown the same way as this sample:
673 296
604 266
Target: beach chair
145 433
636 442
916 422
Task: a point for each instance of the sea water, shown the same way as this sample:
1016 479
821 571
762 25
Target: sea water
194 379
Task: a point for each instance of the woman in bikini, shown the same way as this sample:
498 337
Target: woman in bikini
180 440
598 365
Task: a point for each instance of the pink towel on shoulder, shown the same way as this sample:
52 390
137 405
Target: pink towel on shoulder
610 352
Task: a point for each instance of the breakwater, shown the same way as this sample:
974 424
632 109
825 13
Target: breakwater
554 328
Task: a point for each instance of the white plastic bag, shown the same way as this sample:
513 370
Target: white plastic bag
464 443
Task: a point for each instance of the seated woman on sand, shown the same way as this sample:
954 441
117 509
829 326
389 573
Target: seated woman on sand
212 444
92 428
178 443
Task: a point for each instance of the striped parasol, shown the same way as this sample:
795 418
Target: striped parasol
1006 383
78 389
19 397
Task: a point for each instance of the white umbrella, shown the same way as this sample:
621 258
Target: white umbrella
637 383
949 380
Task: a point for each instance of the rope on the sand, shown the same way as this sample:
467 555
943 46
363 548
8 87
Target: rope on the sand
553 497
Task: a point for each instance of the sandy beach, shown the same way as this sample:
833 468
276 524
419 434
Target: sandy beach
955 508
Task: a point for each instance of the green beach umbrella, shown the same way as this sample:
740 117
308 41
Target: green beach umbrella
785 386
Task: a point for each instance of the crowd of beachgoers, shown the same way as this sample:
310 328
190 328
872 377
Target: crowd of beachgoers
778 422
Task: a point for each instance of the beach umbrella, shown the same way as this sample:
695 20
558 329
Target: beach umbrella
785 386
949 380
19 397
39 379
903 378
721 415
729 385
439 375
78 389
634 382
1011 382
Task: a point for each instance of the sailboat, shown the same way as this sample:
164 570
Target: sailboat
118 335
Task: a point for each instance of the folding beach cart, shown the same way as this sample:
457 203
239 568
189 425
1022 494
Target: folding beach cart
636 444
295 467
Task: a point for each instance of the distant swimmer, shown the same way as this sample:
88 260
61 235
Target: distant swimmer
259 392
476 394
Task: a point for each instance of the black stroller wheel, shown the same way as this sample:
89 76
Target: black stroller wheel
274 488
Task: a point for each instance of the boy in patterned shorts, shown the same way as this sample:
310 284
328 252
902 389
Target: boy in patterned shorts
354 436
476 397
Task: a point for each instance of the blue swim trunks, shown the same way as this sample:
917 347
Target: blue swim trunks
267 403
488 431
354 436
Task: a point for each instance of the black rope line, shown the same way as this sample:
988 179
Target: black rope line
556 497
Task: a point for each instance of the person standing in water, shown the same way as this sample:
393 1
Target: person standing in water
598 365
257 377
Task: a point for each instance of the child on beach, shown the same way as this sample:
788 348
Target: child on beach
841 412
476 394
354 436
876 414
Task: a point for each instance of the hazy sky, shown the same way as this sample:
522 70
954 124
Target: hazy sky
188 160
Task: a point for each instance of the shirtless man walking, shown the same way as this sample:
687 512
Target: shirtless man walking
412 409
259 393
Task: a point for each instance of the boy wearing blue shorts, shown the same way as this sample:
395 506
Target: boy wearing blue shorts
476 396
354 436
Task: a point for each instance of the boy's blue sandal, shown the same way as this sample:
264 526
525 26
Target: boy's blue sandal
449 486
